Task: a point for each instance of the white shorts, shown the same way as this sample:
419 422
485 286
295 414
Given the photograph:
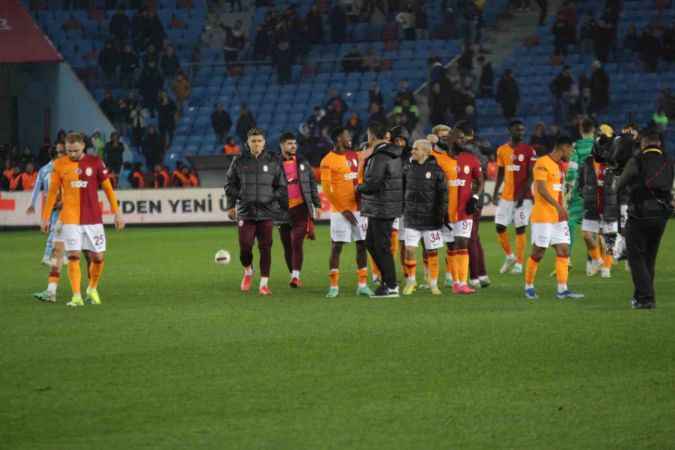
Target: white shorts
600 226
343 231
398 225
58 231
433 239
448 234
84 237
545 235
508 214
462 228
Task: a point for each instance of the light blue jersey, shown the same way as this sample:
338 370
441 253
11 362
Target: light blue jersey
44 177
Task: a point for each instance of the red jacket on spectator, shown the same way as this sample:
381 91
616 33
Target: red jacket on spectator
137 179
9 176
194 179
231 149
180 179
24 181
162 178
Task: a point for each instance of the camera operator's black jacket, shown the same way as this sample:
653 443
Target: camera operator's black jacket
308 187
589 186
425 205
257 186
649 176
382 189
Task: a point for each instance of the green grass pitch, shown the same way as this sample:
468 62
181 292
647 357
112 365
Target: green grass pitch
177 358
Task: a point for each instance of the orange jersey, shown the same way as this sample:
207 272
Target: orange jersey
79 182
548 171
339 173
516 163
448 165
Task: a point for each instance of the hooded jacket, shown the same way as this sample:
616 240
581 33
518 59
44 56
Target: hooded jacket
382 188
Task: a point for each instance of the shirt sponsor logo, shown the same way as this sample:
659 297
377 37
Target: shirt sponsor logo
557 187
457 183
351 176
513 167
78 184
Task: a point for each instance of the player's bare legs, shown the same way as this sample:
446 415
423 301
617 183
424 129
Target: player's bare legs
461 256
503 238
520 250
594 251
56 261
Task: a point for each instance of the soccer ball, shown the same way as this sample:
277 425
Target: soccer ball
222 257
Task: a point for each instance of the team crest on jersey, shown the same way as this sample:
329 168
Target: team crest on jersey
467 170
521 157
78 171
265 168
88 171
428 175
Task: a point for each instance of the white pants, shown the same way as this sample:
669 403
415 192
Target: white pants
507 213
433 239
84 237
545 235
448 234
343 231
599 226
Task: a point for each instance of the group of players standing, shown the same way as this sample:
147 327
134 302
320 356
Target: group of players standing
387 193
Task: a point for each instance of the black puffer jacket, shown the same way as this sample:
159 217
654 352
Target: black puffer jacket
310 192
382 189
589 188
257 187
426 195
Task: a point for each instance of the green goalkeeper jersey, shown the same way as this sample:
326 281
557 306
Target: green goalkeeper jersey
582 150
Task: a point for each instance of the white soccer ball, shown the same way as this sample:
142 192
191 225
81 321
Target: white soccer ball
222 257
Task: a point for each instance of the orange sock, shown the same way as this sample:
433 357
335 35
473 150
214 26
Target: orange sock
504 241
562 269
595 253
334 276
411 269
363 276
607 261
520 248
95 271
433 270
74 275
531 271
462 265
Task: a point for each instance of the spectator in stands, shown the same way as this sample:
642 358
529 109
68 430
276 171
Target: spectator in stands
561 89
44 155
650 48
668 38
338 24
221 122
406 21
283 59
377 115
355 128
508 95
631 40
314 23
152 147
121 118
25 180
261 45
137 178
167 119
72 24
8 173
137 121
235 41
375 95
404 93
24 156
353 61
193 178
113 153
604 35
231 147
176 23
108 59
538 140
156 31
161 177
410 114
421 22
586 35
564 34
180 176
245 122
181 89
487 78
108 105
371 62
599 89
128 63
337 105
149 84
98 144
314 122
234 3
124 178
168 62
120 25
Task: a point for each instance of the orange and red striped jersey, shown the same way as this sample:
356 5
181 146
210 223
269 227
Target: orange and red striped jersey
448 165
339 173
517 163
79 182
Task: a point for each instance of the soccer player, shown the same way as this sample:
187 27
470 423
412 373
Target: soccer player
303 202
79 177
339 178
469 183
448 164
425 212
255 187
601 207
53 255
515 160
549 220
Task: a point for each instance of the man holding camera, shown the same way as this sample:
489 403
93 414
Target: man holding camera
649 177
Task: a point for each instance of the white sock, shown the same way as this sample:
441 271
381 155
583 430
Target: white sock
483 278
295 274
448 276
248 270
433 283
263 281
562 287
475 281
511 256
529 286
411 279
51 288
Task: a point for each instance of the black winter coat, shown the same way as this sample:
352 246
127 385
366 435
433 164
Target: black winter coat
382 189
308 187
257 187
588 186
426 195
